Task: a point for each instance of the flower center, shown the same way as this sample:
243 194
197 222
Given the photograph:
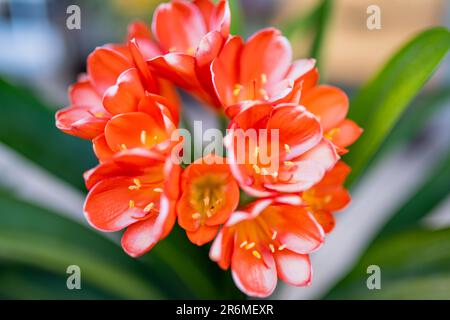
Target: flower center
207 195
141 193
257 235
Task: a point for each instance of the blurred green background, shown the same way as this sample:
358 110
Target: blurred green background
397 78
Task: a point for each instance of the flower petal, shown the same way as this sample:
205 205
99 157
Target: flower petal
293 268
202 235
266 52
329 104
255 277
104 66
125 95
169 17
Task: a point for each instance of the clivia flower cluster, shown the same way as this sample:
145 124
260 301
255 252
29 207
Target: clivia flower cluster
127 105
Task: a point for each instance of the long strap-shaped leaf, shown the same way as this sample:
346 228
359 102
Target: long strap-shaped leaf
379 104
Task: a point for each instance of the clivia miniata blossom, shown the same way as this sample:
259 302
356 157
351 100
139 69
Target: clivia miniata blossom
136 189
202 28
259 70
209 196
270 200
114 72
302 155
269 239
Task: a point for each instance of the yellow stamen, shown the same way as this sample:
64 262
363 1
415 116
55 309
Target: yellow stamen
99 114
243 244
123 146
282 247
250 245
196 216
257 169
143 137
133 187
149 207
263 78
287 148
272 248
131 204
237 89
264 172
274 235
159 190
256 254
137 182
289 163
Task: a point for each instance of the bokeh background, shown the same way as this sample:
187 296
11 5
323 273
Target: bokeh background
400 212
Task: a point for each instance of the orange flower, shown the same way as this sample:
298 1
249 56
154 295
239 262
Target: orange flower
180 25
296 160
330 105
137 190
147 123
201 30
209 195
114 73
268 240
261 69
328 196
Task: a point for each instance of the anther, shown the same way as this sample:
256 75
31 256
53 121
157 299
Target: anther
143 137
131 204
196 216
263 78
243 244
237 89
274 235
149 207
256 254
250 245
287 148
272 248
282 247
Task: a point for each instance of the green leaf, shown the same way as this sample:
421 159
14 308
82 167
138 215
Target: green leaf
428 196
237 20
381 102
34 237
42 240
323 20
414 265
28 127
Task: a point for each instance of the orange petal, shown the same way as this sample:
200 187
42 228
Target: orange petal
225 71
348 132
266 52
202 235
325 219
107 205
293 268
133 130
101 149
298 129
169 17
104 66
83 94
328 103
255 277
138 30
80 122
125 95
